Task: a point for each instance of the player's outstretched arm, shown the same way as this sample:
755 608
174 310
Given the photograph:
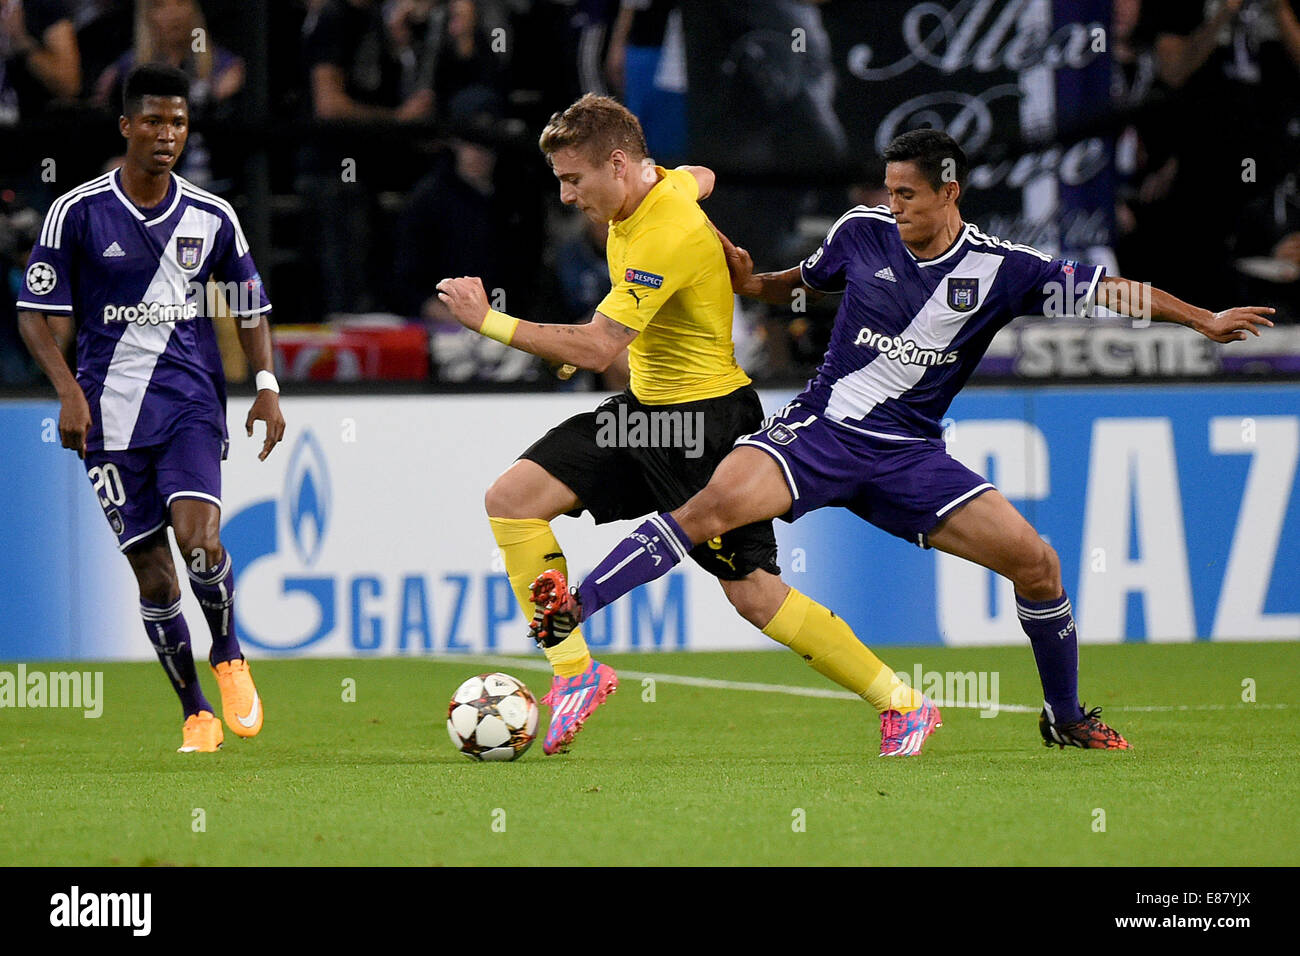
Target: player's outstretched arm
74 410
255 340
778 288
1141 300
705 177
594 345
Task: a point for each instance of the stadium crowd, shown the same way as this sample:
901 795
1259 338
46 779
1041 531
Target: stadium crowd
413 124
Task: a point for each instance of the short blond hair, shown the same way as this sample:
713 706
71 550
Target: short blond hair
596 125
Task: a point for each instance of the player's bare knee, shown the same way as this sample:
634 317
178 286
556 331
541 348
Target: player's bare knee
705 516
747 599
701 526
505 498
757 597
156 576
1040 578
200 547
203 558
496 499
160 592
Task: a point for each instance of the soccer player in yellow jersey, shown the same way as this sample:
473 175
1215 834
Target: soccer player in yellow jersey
670 308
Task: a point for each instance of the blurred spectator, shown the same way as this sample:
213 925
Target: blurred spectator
1288 249
19 227
475 214
451 49
285 73
470 64
39 59
175 32
1145 163
1237 59
104 29
1267 253
354 72
452 225
581 269
353 66
413 26
557 53
646 63
1132 56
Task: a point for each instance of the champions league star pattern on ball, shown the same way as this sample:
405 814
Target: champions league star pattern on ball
136 280
492 717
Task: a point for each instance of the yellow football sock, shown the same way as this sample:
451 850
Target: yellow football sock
528 547
831 648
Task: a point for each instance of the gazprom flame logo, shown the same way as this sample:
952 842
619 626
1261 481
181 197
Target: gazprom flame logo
257 532
307 496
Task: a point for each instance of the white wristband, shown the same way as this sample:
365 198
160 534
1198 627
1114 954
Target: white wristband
267 380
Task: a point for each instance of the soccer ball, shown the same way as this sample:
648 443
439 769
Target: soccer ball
492 717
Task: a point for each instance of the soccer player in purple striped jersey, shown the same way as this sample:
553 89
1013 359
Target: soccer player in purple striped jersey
129 257
923 294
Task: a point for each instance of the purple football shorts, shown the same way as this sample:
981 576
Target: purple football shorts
136 487
904 487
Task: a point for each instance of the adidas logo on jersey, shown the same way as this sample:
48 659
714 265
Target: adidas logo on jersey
114 251
886 273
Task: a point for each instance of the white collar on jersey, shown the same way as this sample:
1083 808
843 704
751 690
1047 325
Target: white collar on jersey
948 254
116 175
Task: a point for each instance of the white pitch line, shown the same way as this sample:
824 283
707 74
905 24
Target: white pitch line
523 663
1173 707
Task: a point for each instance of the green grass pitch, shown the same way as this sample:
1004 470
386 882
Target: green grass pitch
695 776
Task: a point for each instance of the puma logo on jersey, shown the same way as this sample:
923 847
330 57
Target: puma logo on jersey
715 545
632 293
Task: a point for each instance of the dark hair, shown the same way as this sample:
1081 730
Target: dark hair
928 149
597 125
152 79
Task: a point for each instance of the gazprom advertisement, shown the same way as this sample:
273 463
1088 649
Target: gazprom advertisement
1174 510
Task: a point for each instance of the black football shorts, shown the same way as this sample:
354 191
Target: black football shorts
626 460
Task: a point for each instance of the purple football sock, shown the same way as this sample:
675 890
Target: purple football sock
170 635
648 553
215 590
1050 626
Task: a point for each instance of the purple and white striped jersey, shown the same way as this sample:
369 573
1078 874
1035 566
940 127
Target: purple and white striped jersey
136 282
909 332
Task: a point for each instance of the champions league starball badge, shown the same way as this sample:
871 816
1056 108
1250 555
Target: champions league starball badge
41 278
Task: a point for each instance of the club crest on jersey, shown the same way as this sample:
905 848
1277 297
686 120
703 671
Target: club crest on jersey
781 435
187 252
643 278
963 294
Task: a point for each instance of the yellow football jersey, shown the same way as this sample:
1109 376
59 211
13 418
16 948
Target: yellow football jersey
669 282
